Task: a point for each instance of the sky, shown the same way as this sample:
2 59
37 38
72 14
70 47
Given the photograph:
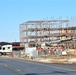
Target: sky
15 12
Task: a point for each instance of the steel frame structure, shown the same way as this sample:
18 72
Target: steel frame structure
46 31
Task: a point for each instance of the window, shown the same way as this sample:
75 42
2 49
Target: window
8 47
3 48
0 48
66 31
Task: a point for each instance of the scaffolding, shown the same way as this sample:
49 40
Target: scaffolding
48 31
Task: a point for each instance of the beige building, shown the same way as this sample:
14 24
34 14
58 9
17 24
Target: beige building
68 33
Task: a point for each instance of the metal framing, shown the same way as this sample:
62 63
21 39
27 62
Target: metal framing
47 30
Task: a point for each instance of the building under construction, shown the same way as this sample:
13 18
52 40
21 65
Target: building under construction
53 31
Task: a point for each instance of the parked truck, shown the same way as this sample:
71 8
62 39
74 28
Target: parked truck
5 49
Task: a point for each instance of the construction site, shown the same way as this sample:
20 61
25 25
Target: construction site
49 31
53 33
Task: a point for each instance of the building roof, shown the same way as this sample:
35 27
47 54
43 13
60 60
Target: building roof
17 47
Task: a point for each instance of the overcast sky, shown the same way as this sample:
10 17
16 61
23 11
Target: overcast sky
15 12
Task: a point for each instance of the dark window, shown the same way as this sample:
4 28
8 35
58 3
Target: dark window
8 47
3 48
0 48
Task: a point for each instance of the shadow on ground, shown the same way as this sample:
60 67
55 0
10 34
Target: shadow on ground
55 72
